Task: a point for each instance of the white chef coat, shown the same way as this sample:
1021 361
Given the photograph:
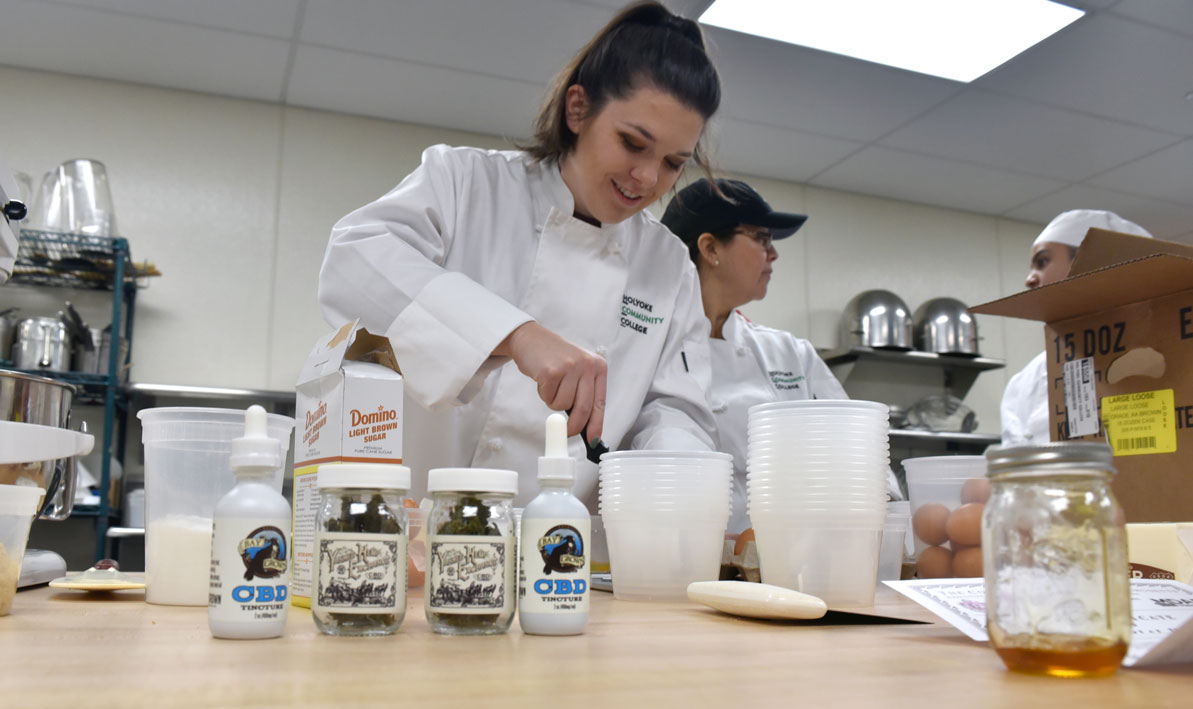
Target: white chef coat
474 243
755 364
1024 408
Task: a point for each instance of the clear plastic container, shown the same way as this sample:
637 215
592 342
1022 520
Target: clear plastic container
471 551
655 557
187 471
835 559
18 505
360 549
1054 543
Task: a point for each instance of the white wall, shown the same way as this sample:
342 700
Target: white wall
233 200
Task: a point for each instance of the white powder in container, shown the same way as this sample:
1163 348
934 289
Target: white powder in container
178 560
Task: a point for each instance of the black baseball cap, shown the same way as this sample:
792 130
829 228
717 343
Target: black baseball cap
697 209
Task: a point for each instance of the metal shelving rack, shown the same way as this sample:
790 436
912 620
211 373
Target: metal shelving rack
78 261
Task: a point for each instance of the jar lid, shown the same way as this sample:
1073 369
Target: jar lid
382 476
472 480
1054 456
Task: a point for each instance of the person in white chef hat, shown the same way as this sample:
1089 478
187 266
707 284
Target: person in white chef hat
1024 409
513 283
730 234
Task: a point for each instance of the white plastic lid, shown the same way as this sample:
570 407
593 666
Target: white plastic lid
19 499
381 476
472 480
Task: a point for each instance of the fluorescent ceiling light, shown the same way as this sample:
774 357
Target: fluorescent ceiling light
954 39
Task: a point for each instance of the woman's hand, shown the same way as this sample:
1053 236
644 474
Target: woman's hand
569 378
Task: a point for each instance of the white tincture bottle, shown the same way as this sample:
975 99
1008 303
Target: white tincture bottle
553 571
250 550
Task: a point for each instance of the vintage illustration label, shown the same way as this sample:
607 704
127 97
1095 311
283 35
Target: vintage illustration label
359 573
553 571
250 566
470 574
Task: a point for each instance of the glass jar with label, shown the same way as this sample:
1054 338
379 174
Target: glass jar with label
360 549
1055 555
471 558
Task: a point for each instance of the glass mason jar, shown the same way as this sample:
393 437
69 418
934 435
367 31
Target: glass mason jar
471 559
1058 598
360 549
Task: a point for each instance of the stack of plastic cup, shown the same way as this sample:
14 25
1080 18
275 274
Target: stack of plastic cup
817 489
665 514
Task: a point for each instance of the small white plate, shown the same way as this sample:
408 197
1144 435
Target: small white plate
100 580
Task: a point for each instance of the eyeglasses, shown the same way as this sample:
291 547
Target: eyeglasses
765 239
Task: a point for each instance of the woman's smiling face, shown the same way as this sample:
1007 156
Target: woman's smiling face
629 153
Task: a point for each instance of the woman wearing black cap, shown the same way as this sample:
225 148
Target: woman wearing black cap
511 283
730 238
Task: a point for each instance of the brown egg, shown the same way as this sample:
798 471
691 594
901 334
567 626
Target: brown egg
739 547
967 562
934 563
929 521
975 490
964 525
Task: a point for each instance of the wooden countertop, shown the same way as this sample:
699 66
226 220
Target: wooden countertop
73 649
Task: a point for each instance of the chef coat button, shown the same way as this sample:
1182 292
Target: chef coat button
741 351
495 444
601 350
719 406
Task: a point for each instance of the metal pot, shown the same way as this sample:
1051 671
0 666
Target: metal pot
876 318
29 399
945 326
87 359
42 343
8 331
104 352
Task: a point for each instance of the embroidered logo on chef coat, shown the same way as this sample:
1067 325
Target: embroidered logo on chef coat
785 380
638 315
263 553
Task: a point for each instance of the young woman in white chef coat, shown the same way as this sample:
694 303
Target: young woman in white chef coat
1024 409
730 239
513 283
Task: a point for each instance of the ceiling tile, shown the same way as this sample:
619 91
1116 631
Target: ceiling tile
274 18
928 180
1163 219
414 93
1025 137
1175 15
772 152
1105 66
518 39
804 89
111 46
1167 174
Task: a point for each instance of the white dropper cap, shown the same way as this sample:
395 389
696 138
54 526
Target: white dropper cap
256 449
556 464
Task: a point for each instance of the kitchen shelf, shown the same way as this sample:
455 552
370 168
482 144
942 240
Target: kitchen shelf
914 357
903 377
59 260
90 388
94 511
911 437
48 259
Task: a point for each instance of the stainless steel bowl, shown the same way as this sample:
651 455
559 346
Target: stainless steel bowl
29 399
876 318
945 326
